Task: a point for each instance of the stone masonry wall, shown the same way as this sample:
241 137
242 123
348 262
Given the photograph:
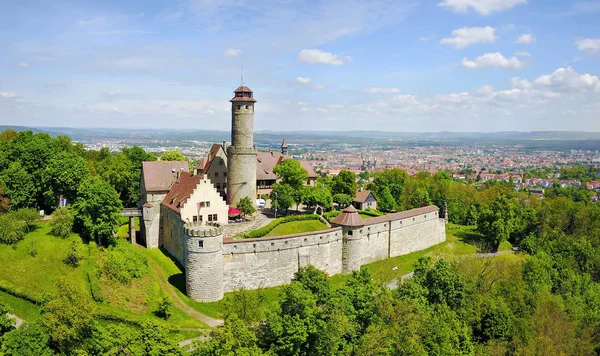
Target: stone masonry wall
269 262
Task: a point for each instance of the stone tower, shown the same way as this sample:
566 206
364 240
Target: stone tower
241 155
204 262
284 147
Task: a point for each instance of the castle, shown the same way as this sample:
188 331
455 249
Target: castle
185 213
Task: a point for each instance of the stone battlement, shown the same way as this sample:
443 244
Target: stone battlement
214 266
200 229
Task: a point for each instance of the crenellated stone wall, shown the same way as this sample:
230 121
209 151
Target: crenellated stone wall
221 265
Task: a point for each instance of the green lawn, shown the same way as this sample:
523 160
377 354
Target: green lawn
24 309
123 231
297 227
36 275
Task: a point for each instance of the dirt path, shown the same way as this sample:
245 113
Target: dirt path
18 320
163 280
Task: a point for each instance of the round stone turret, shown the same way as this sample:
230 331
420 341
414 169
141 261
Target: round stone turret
204 261
241 155
352 249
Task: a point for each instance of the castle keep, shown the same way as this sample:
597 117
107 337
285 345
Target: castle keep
185 213
241 155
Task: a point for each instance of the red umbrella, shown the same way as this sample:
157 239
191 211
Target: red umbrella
234 211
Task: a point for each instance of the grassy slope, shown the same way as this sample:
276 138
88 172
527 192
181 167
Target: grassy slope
39 274
20 271
297 227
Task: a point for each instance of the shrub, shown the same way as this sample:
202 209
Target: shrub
11 229
32 250
331 215
164 307
29 216
74 256
61 223
371 212
124 262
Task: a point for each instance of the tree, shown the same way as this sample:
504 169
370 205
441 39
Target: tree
62 177
246 205
343 200
291 173
61 223
173 155
281 196
67 316
319 197
6 323
164 307
27 340
97 209
393 179
236 337
385 200
19 186
154 340
245 305
344 183
4 200
74 256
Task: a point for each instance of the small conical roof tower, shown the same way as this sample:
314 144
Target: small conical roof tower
348 217
284 147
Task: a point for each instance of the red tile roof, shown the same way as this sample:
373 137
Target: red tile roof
243 89
181 191
159 176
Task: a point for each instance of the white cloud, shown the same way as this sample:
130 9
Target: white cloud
520 83
232 52
316 56
22 65
484 7
590 45
373 90
93 21
493 60
526 38
523 54
466 36
568 80
303 80
319 87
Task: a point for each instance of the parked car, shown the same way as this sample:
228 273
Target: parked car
260 203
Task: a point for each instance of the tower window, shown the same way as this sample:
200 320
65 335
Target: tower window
216 174
350 232
201 244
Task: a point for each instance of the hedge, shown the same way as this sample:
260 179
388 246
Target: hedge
273 224
92 273
9 288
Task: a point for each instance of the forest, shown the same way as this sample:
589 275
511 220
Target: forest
543 300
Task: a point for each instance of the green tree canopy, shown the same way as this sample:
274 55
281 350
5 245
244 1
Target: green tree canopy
62 176
246 205
344 183
97 209
282 196
173 155
291 173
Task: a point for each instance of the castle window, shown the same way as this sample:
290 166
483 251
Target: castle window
216 174
212 217
195 218
350 232
224 174
201 244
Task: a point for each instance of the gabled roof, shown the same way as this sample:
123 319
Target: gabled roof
265 161
348 217
284 144
361 196
181 191
212 154
159 176
309 168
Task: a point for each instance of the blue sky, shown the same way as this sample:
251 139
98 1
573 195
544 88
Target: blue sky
391 65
